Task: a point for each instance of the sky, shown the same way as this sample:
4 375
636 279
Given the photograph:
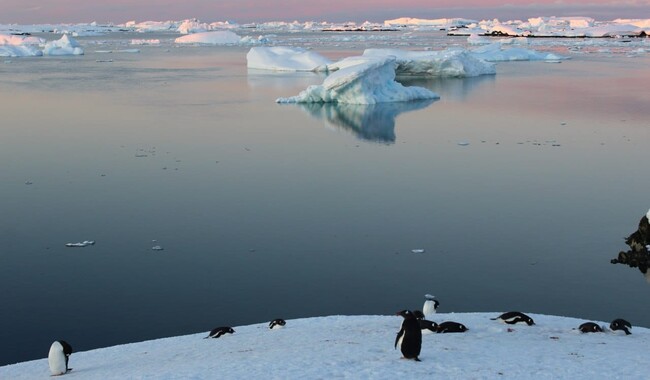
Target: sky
242 11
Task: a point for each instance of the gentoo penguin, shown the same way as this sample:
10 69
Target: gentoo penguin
621 324
277 323
589 327
430 305
409 337
219 331
513 317
426 326
451 327
60 352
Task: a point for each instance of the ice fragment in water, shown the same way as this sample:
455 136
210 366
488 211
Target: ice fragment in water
418 250
84 243
157 248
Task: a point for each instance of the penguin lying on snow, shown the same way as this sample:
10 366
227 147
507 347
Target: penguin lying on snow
409 337
60 352
430 305
513 317
426 326
622 325
451 327
219 331
277 324
590 327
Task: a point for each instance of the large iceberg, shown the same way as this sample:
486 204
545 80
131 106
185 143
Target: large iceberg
446 63
282 58
370 80
63 46
19 46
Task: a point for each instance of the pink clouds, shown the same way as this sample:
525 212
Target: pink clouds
43 11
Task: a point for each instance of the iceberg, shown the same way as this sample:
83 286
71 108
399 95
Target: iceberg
446 63
19 46
282 58
369 80
495 53
63 46
223 37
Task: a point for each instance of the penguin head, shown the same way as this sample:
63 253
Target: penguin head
529 321
230 330
407 314
436 304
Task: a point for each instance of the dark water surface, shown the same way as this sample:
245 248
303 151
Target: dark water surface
267 210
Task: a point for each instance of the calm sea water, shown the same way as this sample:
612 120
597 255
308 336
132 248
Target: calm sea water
267 210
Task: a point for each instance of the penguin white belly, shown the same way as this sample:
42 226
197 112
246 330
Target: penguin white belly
56 359
429 308
399 341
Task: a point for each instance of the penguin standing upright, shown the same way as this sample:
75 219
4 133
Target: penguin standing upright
409 337
60 352
430 305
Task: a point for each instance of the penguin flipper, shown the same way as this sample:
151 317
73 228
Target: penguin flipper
399 335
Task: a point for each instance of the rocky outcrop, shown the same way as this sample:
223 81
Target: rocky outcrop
638 256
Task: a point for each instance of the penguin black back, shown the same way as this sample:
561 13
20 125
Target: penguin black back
589 327
451 327
219 331
409 336
513 317
621 324
277 323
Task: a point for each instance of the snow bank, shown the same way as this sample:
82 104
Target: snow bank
223 37
361 347
447 63
282 58
369 80
64 46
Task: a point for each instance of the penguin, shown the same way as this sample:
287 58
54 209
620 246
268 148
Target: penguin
219 331
513 317
58 357
430 305
621 324
277 324
451 327
590 327
426 326
409 337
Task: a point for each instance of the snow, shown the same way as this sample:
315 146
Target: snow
64 46
355 347
283 58
223 37
368 80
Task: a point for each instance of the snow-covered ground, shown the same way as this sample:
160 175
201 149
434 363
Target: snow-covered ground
361 347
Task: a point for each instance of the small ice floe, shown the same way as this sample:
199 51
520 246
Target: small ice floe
29 183
127 51
463 143
418 250
157 248
103 60
84 243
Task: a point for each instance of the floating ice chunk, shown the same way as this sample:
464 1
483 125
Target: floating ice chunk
445 63
283 58
63 46
157 248
84 243
370 80
495 53
223 37
418 250
463 143
19 51
145 42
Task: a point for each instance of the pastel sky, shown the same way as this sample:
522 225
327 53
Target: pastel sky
120 11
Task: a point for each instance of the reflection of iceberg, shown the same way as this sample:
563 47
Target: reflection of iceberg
639 242
374 122
448 88
368 80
